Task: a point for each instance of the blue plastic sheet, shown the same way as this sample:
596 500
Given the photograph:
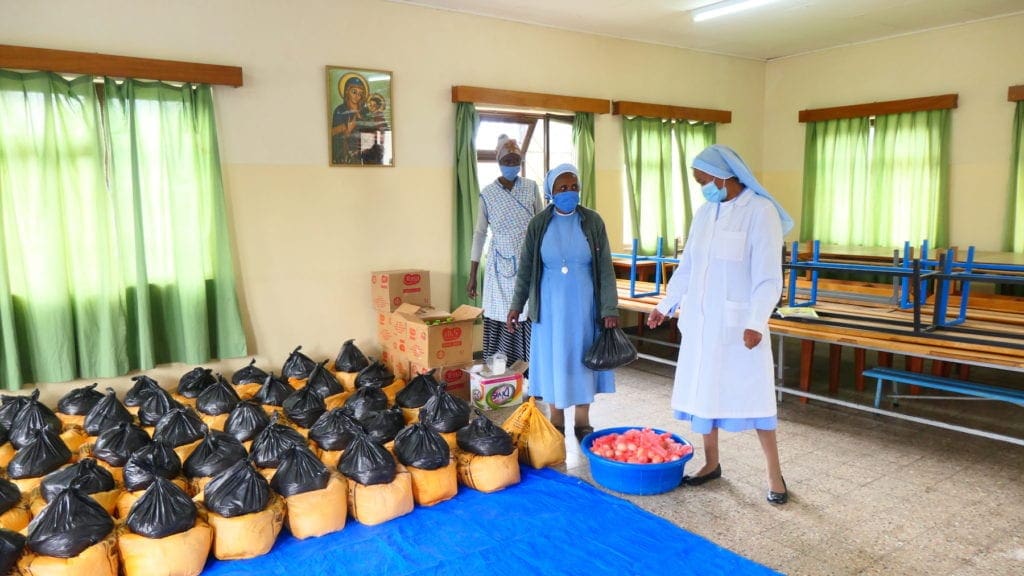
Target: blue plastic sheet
550 523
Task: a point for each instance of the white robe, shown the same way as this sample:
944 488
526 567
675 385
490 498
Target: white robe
729 279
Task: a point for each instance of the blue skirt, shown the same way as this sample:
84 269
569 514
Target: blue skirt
705 425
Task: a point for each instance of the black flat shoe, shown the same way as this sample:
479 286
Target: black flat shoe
779 497
582 431
698 480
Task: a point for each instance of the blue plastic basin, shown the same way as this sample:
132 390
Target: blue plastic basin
628 478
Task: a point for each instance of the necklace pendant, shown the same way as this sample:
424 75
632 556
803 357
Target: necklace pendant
565 269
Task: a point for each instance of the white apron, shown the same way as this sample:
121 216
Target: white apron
508 213
729 279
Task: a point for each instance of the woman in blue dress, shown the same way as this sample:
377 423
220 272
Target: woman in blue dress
566 275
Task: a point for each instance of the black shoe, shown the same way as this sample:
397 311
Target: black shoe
698 480
582 431
779 497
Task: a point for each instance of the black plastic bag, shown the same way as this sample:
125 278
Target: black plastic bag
195 381
12 546
85 475
350 358
484 437
32 416
179 427
420 447
217 452
40 457
106 414
304 407
418 391
298 365
375 374
246 421
300 471
367 462
69 524
9 408
156 405
115 445
611 350
162 511
383 425
218 398
146 463
143 387
248 374
79 401
334 430
267 448
4 437
10 495
444 412
237 491
274 391
323 382
365 400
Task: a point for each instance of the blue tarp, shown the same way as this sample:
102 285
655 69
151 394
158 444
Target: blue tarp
550 523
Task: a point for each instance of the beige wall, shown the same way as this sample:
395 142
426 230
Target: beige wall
307 235
978 61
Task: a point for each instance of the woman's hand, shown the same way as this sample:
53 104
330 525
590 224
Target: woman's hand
611 322
471 287
751 338
655 318
512 321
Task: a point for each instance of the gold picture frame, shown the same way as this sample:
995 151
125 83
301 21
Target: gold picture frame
360 117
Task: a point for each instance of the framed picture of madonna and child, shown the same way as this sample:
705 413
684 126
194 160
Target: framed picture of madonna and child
360 117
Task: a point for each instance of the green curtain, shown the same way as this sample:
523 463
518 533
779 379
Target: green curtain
835 191
909 180
78 241
691 138
1015 215
467 195
168 198
583 140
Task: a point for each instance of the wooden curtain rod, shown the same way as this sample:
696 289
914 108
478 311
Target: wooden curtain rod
942 102
671 112
1016 93
496 97
70 62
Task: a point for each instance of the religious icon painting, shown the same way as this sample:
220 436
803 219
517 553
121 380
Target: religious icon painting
361 117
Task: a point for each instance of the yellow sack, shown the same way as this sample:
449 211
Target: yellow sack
182 554
7 452
319 512
411 415
392 390
108 500
74 437
488 473
100 559
249 535
69 420
247 391
539 443
214 422
378 503
185 450
336 400
346 379
126 499
432 486
330 458
17 518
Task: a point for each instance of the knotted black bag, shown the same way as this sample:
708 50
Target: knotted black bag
375 374
350 358
611 350
484 437
418 391
79 401
298 365
420 447
218 398
115 445
69 524
146 463
237 491
383 425
274 391
217 452
444 412
367 462
323 382
300 471
178 427
43 455
156 405
248 374
10 495
246 421
195 381
365 400
85 475
334 430
162 511
12 546
304 407
9 408
32 416
106 414
271 443
143 387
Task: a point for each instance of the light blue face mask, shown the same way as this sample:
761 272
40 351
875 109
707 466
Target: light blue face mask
713 193
509 173
566 201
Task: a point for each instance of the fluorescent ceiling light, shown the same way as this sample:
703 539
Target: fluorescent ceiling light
725 8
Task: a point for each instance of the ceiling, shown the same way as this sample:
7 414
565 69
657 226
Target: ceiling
778 29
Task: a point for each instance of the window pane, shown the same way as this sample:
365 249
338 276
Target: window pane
562 150
534 161
489 130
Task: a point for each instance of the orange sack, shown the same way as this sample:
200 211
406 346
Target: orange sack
249 535
182 554
100 559
432 486
319 512
378 503
488 473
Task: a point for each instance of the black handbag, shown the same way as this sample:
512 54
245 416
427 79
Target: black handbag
611 350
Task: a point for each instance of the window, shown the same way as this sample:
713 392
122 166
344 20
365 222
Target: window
545 139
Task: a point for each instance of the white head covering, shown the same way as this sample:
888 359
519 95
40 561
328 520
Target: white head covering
723 162
505 147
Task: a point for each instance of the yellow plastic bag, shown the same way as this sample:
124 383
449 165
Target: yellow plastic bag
100 559
249 535
16 518
378 503
7 452
539 443
432 486
319 512
488 473
182 554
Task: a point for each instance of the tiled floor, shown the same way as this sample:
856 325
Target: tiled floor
870 494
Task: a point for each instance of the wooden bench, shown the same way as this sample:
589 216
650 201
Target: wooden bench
942 383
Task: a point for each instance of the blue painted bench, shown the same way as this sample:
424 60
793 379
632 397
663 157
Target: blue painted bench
942 383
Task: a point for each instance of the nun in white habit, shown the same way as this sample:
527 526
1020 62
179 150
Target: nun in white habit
726 286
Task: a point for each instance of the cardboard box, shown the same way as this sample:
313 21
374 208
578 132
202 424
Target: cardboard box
396 361
386 336
436 338
490 391
454 378
389 289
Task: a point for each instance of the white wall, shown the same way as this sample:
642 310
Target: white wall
307 235
978 61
